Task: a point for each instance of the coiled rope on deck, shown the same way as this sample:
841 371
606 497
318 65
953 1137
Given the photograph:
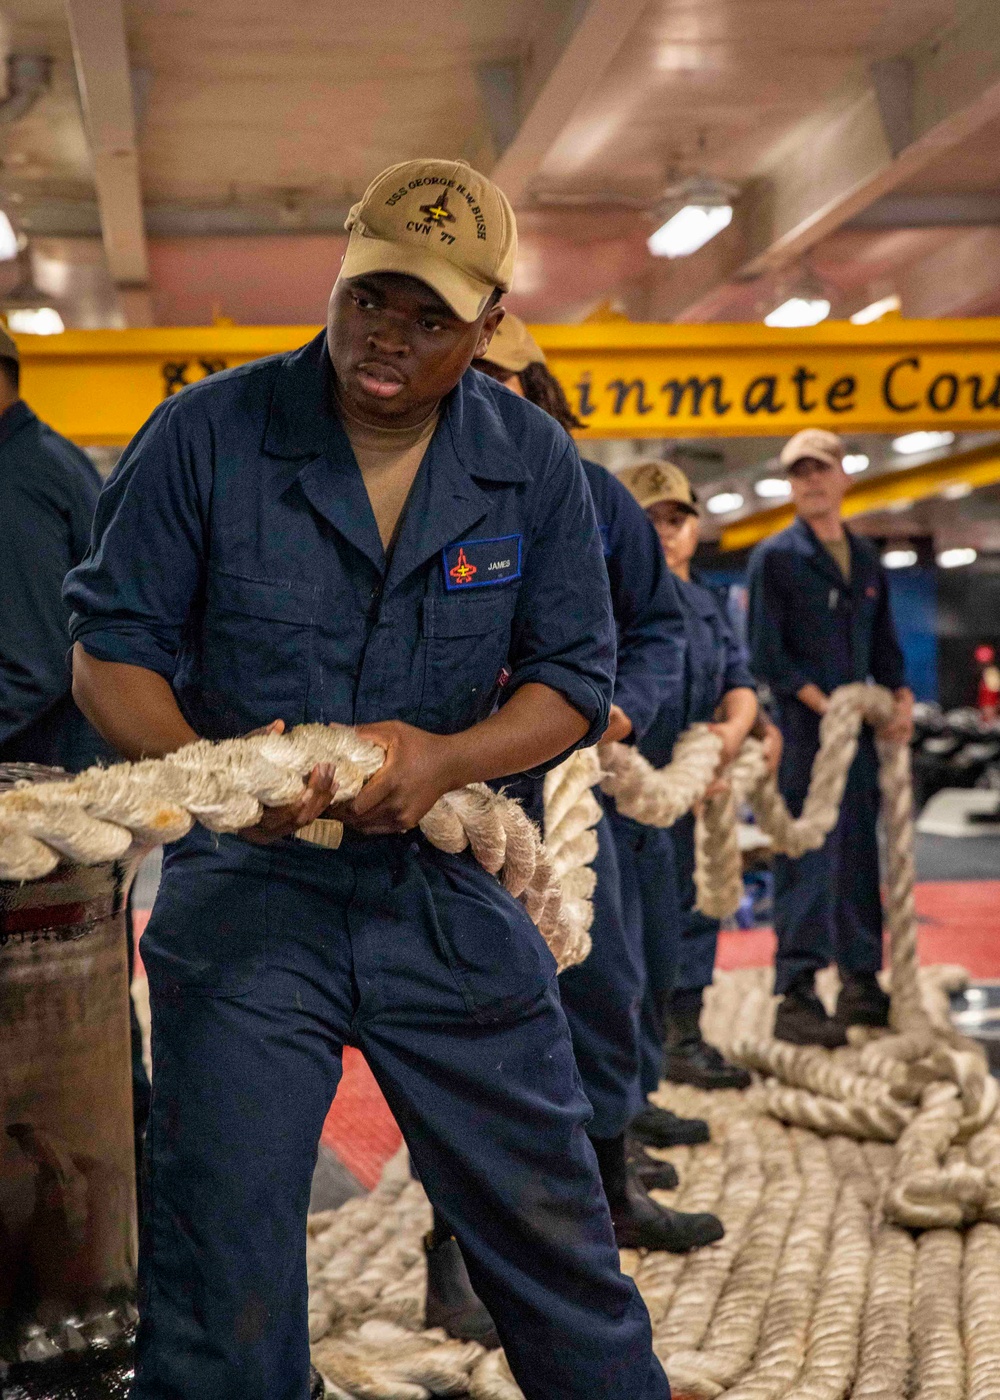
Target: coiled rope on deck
104 813
819 1290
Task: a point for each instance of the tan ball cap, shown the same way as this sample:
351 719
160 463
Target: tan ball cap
441 222
652 482
513 347
812 442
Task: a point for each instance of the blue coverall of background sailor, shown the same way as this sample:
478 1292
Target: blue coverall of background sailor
680 941
602 997
237 555
49 489
808 624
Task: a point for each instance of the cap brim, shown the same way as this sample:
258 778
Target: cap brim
510 361
466 295
814 456
673 501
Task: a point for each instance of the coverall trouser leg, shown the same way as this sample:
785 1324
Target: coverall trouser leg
699 934
827 904
602 998
649 894
262 965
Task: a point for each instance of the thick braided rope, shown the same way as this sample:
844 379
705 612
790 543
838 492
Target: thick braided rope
813 1294
924 1087
659 797
105 812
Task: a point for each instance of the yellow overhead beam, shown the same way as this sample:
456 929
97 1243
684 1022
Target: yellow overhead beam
980 467
622 379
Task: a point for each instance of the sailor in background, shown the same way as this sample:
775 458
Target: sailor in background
602 997
49 489
717 689
819 618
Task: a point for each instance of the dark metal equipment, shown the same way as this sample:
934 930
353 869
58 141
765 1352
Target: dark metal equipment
67 1175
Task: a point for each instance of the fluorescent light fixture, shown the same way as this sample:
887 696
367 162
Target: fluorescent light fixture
773 487
689 229
910 443
35 320
957 491
903 558
724 502
8 239
799 311
955 558
876 310
855 462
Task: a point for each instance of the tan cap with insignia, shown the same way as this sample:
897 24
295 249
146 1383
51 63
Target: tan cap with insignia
513 347
813 442
652 482
441 222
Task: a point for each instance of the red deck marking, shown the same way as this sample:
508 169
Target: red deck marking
959 923
359 1128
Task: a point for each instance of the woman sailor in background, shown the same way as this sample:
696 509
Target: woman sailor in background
718 689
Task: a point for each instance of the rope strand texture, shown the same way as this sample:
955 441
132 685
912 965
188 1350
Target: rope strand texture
659 797
104 813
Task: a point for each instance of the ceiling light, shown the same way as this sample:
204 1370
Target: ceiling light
855 462
706 208
799 311
776 487
955 558
724 502
876 310
9 247
900 558
35 320
921 442
957 490
689 229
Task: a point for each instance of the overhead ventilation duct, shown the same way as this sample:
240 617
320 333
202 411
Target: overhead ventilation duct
28 76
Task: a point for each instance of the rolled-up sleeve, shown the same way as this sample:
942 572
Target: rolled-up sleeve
648 618
563 634
736 673
769 659
132 595
887 661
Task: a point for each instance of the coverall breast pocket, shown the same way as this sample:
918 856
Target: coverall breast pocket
497 955
259 640
466 641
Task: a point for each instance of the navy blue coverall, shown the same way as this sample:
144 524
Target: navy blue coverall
49 490
237 555
680 941
602 997
808 624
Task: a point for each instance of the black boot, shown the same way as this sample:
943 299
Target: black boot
452 1302
688 1059
861 1001
638 1221
656 1127
802 1018
654 1174
317 1386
